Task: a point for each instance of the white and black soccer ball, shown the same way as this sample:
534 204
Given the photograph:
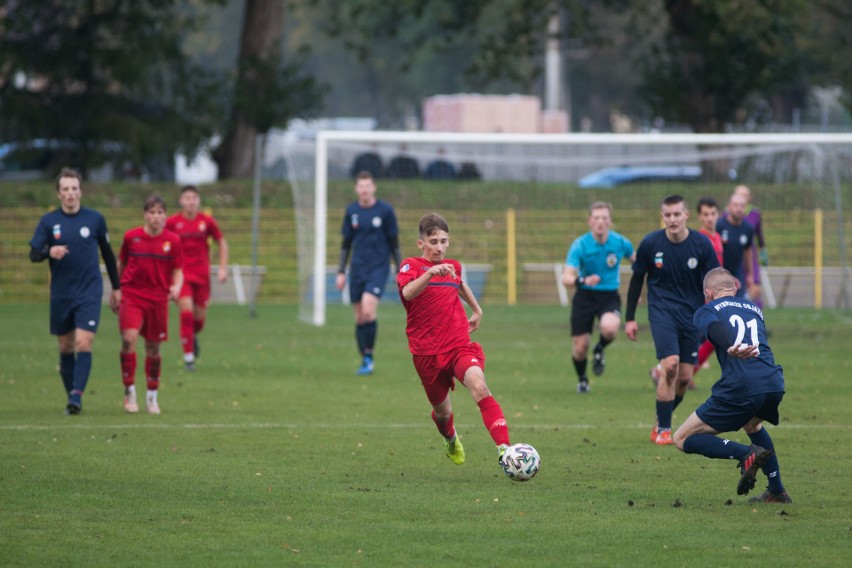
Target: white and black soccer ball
520 462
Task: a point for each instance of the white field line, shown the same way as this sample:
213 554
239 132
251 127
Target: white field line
347 426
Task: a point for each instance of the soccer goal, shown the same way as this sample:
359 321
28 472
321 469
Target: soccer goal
515 202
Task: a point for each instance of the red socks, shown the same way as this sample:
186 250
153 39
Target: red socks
128 368
446 427
704 353
152 372
495 422
187 331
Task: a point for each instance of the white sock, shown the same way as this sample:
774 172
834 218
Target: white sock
151 397
130 391
189 357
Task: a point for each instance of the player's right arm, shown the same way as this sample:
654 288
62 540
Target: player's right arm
634 291
416 286
345 247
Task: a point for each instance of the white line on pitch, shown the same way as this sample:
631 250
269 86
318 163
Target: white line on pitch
342 426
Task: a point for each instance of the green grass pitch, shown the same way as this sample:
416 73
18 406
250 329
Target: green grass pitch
274 453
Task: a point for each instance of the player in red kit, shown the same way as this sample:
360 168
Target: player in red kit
150 267
438 330
195 230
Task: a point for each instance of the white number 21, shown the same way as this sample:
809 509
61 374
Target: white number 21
740 325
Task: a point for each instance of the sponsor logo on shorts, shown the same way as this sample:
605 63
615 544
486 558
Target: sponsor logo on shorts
92 323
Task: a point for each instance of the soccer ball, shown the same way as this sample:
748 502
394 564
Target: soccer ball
520 462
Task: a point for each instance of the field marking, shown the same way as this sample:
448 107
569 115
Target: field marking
345 426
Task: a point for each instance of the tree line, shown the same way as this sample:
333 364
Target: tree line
153 77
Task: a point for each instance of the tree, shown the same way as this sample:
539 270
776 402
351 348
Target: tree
102 78
267 92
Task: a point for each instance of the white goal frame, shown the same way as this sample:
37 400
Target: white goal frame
326 137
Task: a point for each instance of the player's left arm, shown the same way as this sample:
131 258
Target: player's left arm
223 260
475 318
177 283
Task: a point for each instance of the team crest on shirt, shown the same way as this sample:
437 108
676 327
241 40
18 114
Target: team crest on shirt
611 259
692 262
377 222
353 220
167 246
85 232
743 240
658 260
202 226
57 232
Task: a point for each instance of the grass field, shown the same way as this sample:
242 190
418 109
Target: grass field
275 454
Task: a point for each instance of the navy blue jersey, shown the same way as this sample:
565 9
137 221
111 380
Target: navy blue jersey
735 240
78 274
675 273
744 322
370 230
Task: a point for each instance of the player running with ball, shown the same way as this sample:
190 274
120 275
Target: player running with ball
438 330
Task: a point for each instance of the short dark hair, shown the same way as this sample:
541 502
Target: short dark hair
706 202
190 187
152 201
431 222
364 174
68 173
673 199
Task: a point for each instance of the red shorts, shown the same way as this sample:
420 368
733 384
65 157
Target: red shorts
150 317
437 371
198 291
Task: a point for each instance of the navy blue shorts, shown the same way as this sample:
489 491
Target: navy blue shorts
673 338
731 415
370 282
77 313
590 304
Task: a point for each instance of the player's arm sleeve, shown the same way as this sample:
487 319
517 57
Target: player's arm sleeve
39 254
393 243
39 247
718 335
633 293
345 247
109 262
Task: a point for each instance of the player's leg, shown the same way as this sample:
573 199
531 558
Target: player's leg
759 436
187 326
665 396
87 314
153 364
83 339
579 349
704 353
130 321
610 324
67 369
62 326
582 323
437 385
155 331
200 300
469 366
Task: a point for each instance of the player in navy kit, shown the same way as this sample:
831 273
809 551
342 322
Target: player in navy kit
737 236
70 237
749 391
369 225
675 260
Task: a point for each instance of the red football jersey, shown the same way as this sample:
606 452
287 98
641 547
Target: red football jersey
148 263
195 237
436 321
716 240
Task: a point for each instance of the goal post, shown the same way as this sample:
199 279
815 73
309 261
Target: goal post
540 160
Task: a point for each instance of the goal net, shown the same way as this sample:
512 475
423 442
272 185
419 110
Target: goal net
515 202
